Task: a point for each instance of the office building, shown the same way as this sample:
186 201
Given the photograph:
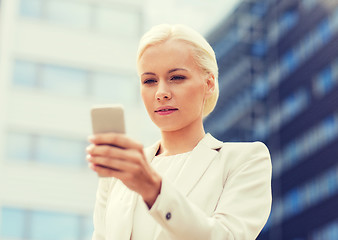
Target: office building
57 59
278 64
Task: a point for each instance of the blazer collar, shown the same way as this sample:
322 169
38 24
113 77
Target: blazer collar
195 166
208 140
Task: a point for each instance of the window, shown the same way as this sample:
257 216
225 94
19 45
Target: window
18 223
327 232
31 8
259 9
294 103
116 19
293 203
226 43
25 74
308 4
308 194
54 226
334 21
261 129
259 48
19 146
45 149
54 150
52 78
117 88
68 81
284 23
324 82
109 20
70 13
75 82
288 19
12 223
325 31
289 62
260 87
87 227
312 140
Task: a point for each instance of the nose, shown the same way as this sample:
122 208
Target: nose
163 91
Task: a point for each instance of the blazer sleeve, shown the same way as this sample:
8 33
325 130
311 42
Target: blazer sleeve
99 216
241 212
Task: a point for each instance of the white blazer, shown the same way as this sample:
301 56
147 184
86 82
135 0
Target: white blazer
223 192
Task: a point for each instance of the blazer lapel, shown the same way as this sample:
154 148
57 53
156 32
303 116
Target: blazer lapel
195 166
197 163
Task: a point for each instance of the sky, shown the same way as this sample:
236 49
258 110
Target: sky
202 15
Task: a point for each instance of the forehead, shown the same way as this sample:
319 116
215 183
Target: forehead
171 53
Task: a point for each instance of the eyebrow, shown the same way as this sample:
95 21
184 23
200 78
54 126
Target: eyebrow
177 69
148 73
170 71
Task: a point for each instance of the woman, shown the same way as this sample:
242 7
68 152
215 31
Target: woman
188 185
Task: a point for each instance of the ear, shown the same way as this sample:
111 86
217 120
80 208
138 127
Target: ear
210 85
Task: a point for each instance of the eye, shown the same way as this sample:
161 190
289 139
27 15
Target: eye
149 81
178 77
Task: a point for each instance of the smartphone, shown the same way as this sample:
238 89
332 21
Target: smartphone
108 118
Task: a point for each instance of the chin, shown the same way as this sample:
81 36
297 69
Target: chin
168 127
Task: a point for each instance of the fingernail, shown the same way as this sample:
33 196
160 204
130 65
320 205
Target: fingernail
89 148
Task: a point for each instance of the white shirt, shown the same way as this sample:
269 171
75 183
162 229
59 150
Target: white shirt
169 167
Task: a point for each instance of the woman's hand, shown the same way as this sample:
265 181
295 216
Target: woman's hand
116 155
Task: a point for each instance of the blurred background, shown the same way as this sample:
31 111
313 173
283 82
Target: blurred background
278 64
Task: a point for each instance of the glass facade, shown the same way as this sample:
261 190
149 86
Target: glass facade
287 98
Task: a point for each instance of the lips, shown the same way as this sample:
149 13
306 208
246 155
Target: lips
165 110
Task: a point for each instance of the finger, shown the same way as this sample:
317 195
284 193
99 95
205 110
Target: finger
116 139
113 164
101 171
108 172
115 152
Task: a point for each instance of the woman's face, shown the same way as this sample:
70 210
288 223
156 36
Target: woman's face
173 87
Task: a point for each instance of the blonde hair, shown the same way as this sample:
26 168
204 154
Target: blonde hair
204 54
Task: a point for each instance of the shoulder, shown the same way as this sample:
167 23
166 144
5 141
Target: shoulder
245 147
241 154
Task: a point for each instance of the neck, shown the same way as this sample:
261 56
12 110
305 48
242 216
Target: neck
180 141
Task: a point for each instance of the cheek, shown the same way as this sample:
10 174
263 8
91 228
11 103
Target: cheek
147 97
197 94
